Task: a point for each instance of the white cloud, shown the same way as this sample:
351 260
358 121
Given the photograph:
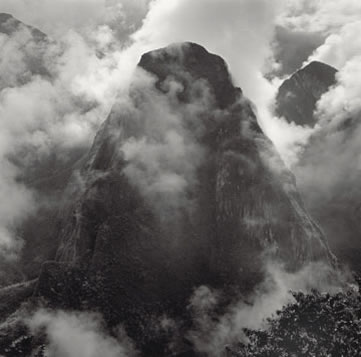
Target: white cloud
343 100
325 16
79 334
341 46
57 17
164 154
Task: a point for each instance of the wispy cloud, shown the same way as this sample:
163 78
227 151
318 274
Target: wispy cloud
70 334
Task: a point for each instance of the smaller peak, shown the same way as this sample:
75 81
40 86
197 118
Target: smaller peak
318 66
314 70
298 95
319 71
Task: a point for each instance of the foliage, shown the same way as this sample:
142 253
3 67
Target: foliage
320 325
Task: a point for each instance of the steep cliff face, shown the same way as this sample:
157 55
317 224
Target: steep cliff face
202 212
298 95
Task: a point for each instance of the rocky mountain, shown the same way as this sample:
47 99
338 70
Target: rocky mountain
297 96
327 173
180 189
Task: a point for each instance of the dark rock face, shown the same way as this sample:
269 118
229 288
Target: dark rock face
297 97
180 189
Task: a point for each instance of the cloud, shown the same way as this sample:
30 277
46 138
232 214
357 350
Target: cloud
79 334
326 16
340 47
164 152
342 101
56 18
17 202
289 139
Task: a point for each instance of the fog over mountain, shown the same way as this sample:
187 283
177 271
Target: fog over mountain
172 170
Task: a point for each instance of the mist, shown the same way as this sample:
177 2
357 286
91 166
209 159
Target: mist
86 61
79 334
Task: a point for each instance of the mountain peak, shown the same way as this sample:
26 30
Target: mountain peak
188 60
297 96
319 65
320 71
